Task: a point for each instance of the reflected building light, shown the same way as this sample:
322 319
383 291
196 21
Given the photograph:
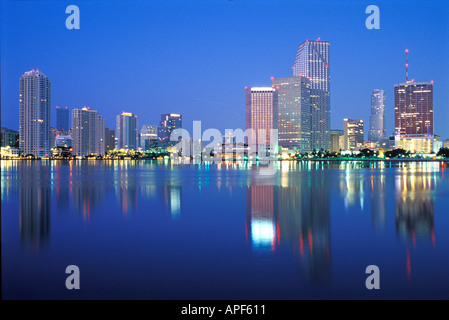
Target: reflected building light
262 234
175 203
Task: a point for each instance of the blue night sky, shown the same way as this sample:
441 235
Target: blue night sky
196 57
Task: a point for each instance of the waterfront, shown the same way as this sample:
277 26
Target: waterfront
154 230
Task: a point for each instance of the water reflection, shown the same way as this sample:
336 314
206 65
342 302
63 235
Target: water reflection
34 205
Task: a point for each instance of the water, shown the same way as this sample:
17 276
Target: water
152 230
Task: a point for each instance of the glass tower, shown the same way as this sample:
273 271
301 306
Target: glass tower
312 62
377 125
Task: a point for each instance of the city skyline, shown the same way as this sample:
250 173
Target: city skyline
367 68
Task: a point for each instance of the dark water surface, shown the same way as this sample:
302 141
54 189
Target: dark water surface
152 230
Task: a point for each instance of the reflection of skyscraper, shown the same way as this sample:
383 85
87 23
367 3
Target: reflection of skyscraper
414 206
303 216
260 217
34 205
172 200
312 61
378 201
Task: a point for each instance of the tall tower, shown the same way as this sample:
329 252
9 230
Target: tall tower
34 114
169 122
62 119
87 132
261 115
312 62
127 131
413 114
293 112
377 120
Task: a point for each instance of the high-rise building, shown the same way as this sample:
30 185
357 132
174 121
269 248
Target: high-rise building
9 138
354 134
336 140
261 115
148 132
127 131
312 62
413 113
377 119
62 119
34 114
87 132
109 139
169 122
293 112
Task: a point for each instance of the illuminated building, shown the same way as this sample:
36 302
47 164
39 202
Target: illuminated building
413 104
353 133
127 137
377 123
87 132
34 114
261 116
337 140
62 119
109 139
9 138
169 122
312 62
147 132
293 112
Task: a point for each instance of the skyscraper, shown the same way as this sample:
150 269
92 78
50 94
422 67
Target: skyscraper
87 132
127 131
34 114
261 114
377 123
413 113
169 122
293 112
62 119
312 62
147 132
109 139
336 144
354 134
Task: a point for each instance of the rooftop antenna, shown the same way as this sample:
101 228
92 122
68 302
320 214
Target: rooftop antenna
406 65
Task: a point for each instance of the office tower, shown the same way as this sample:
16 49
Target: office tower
413 113
109 139
169 122
127 131
34 113
312 62
336 140
62 119
261 115
353 129
87 132
293 112
377 119
148 132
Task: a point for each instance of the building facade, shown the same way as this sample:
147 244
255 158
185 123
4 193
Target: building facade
312 62
147 132
109 139
336 140
87 133
377 119
169 122
413 110
293 112
354 134
127 136
62 119
34 114
261 116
